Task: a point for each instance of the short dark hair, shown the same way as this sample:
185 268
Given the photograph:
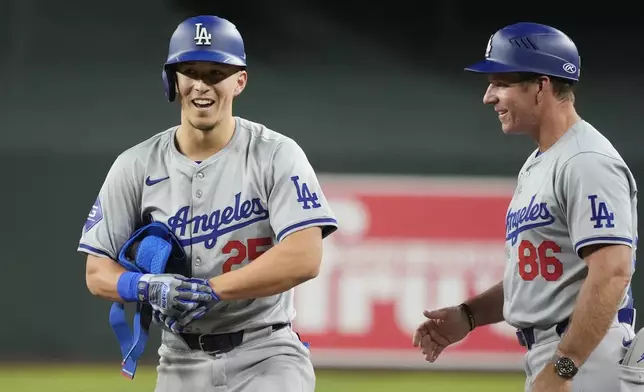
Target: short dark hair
563 89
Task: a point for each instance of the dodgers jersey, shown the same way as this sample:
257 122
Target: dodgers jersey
579 192
226 211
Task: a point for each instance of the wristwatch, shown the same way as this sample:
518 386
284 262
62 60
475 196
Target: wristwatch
565 367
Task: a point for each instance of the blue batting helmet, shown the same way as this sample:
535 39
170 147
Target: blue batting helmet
202 38
530 47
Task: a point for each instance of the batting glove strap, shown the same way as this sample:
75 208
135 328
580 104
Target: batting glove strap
142 286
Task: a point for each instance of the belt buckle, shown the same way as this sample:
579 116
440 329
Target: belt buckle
202 348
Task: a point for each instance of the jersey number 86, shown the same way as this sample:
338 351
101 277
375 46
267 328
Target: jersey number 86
535 261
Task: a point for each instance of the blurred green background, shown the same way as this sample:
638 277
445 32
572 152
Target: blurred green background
97 378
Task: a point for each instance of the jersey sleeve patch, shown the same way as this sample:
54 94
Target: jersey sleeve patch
95 215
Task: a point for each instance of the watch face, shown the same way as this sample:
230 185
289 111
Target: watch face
565 366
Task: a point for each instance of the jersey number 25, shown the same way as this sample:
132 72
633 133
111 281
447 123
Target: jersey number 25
249 250
535 261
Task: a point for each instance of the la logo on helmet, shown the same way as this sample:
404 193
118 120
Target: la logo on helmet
489 47
202 37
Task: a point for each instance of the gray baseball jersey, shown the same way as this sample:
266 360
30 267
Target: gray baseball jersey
226 210
579 192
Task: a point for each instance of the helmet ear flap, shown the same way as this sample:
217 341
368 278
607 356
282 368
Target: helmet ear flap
169 83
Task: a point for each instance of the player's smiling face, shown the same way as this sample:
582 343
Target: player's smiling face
207 91
515 102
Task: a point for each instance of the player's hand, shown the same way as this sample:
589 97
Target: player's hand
174 295
443 327
549 381
177 325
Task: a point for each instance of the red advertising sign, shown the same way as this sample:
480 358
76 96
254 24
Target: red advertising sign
406 245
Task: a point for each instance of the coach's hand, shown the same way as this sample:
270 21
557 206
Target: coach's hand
443 327
173 295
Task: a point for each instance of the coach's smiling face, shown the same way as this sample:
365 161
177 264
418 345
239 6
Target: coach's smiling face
517 101
207 91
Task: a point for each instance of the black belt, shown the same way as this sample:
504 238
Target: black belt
219 343
526 335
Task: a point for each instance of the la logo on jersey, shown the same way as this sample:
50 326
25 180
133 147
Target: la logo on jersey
600 213
527 218
304 196
202 36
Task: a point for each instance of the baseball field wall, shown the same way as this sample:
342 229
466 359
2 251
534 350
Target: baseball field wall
406 244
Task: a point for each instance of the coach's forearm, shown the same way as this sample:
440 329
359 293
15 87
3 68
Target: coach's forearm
101 276
279 269
487 307
594 313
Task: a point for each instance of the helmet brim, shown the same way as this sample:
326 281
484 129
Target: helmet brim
488 66
209 56
491 67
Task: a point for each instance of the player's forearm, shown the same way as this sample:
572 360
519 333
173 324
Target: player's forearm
102 276
594 313
281 268
487 307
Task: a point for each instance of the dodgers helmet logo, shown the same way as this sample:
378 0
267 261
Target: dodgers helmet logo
202 36
532 216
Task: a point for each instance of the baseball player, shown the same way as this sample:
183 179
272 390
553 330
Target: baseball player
571 228
245 204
